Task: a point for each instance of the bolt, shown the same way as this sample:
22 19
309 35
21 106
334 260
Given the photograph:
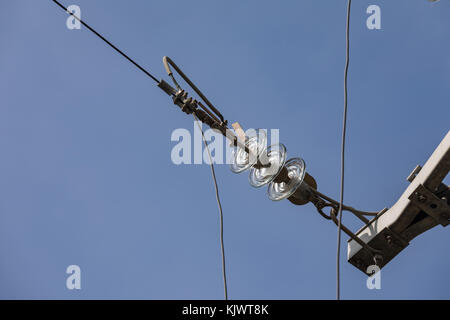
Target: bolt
421 198
360 265
388 239
378 259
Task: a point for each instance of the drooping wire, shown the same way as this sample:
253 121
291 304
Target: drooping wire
213 173
106 41
204 140
344 129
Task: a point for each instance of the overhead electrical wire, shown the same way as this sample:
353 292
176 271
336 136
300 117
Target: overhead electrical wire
167 63
344 129
109 43
213 173
204 140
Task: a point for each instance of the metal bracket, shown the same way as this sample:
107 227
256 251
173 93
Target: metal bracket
428 202
414 173
424 204
388 242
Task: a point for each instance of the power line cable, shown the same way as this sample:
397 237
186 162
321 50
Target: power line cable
109 43
212 165
224 274
344 129
204 140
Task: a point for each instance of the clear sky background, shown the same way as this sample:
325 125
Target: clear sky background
85 171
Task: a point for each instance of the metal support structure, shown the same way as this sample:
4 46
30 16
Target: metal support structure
424 205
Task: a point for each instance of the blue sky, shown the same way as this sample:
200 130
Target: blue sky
86 175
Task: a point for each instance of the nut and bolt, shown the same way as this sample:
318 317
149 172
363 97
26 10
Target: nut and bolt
421 198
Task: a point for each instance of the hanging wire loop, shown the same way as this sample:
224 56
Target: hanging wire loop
167 63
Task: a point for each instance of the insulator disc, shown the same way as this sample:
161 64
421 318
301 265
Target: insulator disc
256 143
296 172
275 158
